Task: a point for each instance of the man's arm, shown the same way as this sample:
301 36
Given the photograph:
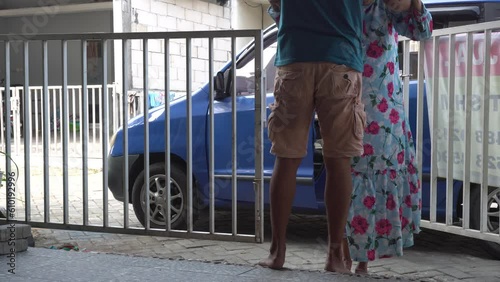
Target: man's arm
417 5
276 4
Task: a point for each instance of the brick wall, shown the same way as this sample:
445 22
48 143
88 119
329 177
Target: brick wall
177 15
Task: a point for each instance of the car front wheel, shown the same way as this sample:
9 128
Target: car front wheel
158 193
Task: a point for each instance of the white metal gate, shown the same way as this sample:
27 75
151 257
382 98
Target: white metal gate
76 158
463 127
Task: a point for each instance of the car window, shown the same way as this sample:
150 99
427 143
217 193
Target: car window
245 74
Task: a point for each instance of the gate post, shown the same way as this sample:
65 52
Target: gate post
260 100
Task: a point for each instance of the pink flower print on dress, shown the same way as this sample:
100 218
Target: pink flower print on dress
390 204
360 225
369 202
367 70
382 106
383 227
373 128
374 50
368 150
394 116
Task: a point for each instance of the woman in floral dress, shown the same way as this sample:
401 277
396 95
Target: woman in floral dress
386 199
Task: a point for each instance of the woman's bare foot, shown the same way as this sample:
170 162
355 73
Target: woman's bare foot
276 258
362 268
335 261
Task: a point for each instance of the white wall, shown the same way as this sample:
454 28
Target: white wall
63 23
178 15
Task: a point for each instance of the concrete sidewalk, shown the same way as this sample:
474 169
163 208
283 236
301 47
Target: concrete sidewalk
39 264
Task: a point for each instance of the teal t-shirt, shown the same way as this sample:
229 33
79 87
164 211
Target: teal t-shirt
320 31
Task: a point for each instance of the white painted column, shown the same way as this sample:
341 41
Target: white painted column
117 45
249 14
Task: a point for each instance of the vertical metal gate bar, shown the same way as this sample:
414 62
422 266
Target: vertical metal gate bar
17 119
101 109
189 129
46 132
468 115
80 103
8 122
3 117
260 106
85 135
65 128
59 116
146 132
211 148
124 101
167 210
93 116
27 133
435 101
234 178
116 110
104 132
74 97
486 119
54 116
451 127
36 119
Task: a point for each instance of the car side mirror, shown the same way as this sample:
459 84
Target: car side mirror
219 86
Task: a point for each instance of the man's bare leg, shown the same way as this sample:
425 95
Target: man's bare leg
337 200
347 254
282 191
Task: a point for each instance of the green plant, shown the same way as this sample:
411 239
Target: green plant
4 176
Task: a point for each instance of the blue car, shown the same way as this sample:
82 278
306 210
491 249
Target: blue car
311 173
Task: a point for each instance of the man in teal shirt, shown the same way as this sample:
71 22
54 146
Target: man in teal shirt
319 64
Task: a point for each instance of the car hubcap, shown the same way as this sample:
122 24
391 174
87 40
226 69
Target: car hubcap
493 210
158 195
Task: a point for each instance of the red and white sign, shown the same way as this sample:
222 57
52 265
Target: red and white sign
460 108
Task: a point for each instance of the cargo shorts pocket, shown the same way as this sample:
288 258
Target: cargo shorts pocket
286 81
359 120
343 85
270 127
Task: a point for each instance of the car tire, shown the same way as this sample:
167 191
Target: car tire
475 214
178 190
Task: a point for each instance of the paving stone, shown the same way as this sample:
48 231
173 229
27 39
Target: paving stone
483 279
444 278
425 274
456 273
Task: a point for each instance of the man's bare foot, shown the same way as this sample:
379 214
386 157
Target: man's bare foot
348 264
335 261
276 258
362 268
336 266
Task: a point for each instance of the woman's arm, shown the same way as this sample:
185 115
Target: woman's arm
276 5
416 23
274 14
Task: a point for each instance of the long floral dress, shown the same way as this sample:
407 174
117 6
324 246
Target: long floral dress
386 201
